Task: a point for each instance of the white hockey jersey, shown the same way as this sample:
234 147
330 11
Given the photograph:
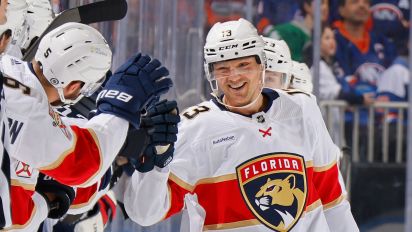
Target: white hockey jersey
33 133
274 171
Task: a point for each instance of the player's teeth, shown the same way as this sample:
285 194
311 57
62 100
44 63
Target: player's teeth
236 86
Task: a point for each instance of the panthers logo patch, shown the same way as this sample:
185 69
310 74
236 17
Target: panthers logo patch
274 188
57 122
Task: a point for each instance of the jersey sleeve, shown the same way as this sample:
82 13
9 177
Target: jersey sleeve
160 193
87 197
29 209
327 177
73 155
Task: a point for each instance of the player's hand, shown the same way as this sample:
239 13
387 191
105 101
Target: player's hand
134 86
58 196
160 124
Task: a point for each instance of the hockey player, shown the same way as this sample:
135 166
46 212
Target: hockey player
91 208
281 71
248 160
71 62
279 63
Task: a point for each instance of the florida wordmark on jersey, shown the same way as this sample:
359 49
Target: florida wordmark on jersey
274 171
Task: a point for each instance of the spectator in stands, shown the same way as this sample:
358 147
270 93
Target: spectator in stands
297 33
391 18
393 87
393 83
362 55
330 87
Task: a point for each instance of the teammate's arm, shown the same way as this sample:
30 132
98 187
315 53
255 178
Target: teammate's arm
327 177
74 155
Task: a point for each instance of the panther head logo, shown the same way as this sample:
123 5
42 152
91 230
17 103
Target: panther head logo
274 188
281 193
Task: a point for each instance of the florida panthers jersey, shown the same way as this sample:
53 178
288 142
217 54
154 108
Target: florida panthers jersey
273 171
36 134
73 153
29 209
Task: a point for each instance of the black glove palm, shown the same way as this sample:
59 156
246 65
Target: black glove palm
160 124
63 195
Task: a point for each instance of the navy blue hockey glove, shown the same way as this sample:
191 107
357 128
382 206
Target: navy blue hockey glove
59 197
160 124
134 86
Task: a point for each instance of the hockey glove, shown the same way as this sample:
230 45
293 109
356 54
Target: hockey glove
58 196
160 124
133 86
95 219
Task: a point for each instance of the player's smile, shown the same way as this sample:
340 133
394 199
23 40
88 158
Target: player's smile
238 87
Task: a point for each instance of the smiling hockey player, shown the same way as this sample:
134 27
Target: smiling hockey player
251 159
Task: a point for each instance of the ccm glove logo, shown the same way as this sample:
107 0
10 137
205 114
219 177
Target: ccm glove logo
114 94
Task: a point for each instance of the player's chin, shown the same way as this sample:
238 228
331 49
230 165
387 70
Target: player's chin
238 102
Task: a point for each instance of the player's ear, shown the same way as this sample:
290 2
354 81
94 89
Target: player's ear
74 87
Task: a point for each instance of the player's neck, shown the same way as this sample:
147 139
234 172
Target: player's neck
254 108
51 92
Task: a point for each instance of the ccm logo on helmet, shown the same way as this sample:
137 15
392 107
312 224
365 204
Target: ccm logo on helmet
228 47
122 96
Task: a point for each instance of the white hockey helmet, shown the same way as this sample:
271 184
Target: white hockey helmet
39 16
301 77
278 55
74 52
279 62
231 40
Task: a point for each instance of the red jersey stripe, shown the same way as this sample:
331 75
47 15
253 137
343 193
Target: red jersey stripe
222 198
327 184
177 194
84 196
22 205
81 163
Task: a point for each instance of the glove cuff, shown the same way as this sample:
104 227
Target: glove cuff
132 117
